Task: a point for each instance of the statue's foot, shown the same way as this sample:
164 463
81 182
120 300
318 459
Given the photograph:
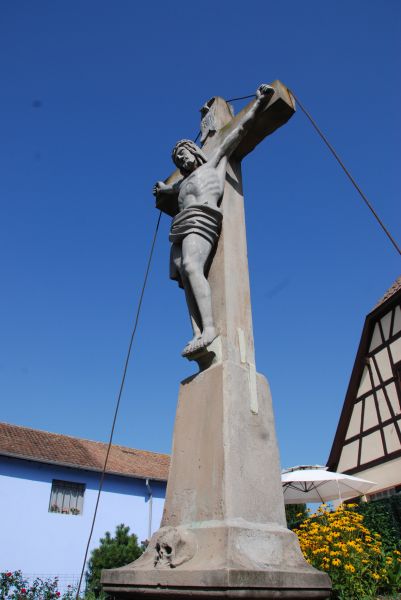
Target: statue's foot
189 348
208 335
199 343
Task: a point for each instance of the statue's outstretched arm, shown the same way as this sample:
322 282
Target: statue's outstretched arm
165 188
263 95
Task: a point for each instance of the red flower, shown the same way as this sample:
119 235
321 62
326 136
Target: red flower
8 574
23 591
58 594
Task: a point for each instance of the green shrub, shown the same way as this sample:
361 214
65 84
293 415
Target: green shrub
384 516
295 514
113 552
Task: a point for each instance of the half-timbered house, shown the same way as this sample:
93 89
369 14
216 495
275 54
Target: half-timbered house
368 437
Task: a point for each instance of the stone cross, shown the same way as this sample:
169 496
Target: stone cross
223 532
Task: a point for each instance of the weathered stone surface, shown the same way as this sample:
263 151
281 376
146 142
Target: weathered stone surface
149 593
223 531
195 230
279 110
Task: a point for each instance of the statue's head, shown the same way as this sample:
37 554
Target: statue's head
187 156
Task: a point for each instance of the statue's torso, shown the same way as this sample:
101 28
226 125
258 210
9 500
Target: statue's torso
204 186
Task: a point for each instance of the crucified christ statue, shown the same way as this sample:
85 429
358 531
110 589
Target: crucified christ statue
195 230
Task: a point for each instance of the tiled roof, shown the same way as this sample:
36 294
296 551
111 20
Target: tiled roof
33 444
390 292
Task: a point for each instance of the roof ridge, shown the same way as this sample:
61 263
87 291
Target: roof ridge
72 437
18 441
393 289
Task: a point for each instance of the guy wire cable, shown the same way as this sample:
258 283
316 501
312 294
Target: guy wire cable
354 183
348 174
241 98
119 396
118 401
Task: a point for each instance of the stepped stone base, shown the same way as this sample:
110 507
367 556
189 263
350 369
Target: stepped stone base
223 532
219 560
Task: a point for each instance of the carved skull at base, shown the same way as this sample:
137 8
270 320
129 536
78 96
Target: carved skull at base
174 547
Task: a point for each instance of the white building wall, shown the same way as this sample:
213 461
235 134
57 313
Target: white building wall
36 541
386 475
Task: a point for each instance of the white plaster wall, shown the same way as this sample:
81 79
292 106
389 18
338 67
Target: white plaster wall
391 437
376 338
370 418
354 426
376 380
397 320
349 457
393 397
383 406
383 362
372 447
386 323
365 385
395 348
385 476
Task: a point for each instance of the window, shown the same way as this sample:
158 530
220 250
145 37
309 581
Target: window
383 494
67 497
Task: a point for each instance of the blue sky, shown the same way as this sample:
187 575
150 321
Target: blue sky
94 95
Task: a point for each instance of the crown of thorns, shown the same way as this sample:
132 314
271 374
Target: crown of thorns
192 147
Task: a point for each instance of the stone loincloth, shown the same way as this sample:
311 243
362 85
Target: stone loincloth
204 220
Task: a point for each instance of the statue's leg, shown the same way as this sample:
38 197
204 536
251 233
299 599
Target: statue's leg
195 252
176 267
194 315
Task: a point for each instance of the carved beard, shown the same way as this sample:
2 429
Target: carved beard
185 172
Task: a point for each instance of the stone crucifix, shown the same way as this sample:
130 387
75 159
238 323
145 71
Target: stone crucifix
196 228
223 533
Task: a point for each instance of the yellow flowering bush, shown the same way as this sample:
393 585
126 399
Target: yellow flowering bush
339 543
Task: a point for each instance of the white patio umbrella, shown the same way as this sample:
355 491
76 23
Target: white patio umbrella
314 483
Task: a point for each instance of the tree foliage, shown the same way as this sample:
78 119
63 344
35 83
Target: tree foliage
113 552
295 514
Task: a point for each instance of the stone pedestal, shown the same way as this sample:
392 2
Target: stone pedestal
223 532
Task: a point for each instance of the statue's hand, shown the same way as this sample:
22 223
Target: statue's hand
265 91
158 187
